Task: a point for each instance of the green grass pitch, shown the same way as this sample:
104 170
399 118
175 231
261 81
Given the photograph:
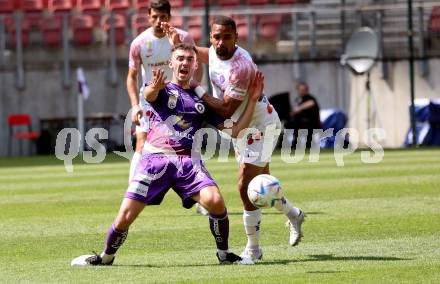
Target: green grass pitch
366 223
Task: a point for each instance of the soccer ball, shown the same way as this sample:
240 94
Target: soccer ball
264 190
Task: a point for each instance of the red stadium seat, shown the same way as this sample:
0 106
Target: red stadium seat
31 6
60 6
11 28
269 26
7 6
141 6
51 30
285 2
139 23
19 121
82 27
199 3
92 8
228 3
257 2
118 6
33 11
119 22
176 21
195 28
435 25
176 3
242 27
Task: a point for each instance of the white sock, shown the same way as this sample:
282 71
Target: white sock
134 162
251 221
287 208
106 258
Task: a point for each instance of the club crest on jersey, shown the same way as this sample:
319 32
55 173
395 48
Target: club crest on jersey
200 108
172 99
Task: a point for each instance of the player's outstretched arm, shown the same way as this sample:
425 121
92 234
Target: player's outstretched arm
174 38
136 113
255 91
157 83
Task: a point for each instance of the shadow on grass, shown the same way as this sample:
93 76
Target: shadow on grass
330 257
276 213
316 257
330 271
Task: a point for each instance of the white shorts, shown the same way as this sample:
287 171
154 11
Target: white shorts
257 146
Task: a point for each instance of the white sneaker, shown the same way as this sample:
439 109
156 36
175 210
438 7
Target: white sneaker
252 254
295 229
89 260
201 210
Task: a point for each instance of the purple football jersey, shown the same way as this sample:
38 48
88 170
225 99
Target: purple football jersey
178 114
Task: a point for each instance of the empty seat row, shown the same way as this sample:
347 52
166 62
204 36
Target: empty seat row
82 27
9 6
434 21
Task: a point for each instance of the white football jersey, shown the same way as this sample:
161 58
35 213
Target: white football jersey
153 53
232 78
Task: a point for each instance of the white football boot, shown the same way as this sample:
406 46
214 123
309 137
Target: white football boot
295 229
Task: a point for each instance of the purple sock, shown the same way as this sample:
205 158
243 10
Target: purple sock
115 239
219 225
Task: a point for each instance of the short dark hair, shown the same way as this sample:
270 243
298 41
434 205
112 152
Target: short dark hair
160 5
184 46
225 21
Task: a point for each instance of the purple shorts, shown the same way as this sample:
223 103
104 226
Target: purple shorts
157 173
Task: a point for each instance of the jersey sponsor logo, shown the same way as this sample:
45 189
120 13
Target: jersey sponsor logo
178 134
172 99
200 108
158 64
182 123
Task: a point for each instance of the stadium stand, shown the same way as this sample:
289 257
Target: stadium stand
269 26
242 27
82 29
139 23
177 21
228 3
141 6
60 7
285 2
257 2
51 31
199 3
92 8
11 28
119 24
118 6
177 3
33 11
7 6
434 20
195 28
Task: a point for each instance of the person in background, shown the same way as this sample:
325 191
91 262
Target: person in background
305 114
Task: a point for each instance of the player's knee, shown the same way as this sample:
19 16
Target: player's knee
217 204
